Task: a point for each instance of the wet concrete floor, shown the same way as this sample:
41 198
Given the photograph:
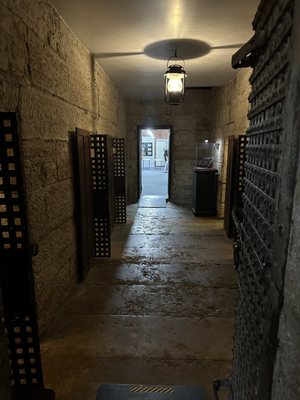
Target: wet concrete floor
160 311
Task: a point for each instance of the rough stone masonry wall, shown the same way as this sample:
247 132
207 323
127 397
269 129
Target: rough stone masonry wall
49 78
230 108
191 124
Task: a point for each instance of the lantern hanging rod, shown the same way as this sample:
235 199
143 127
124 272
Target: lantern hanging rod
176 58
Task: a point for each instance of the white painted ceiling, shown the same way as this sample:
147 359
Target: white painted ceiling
133 39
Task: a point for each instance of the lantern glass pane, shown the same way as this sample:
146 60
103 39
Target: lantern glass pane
175 83
174 87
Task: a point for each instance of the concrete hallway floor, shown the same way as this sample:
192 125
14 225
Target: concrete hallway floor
160 311
154 182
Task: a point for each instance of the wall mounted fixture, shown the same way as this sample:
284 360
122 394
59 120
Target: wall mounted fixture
175 80
212 142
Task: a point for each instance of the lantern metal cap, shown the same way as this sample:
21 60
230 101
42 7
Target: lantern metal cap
175 69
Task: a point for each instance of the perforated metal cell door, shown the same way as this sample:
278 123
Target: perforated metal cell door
101 195
107 160
234 179
16 276
258 305
240 170
229 200
119 181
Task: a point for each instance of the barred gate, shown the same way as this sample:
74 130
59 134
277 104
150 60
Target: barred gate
258 304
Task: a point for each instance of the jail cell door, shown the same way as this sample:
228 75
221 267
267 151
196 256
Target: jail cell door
101 184
119 181
16 274
230 183
234 179
261 249
84 214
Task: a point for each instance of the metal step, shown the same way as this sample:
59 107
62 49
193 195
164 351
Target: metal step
150 392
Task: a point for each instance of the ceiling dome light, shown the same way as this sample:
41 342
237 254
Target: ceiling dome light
174 82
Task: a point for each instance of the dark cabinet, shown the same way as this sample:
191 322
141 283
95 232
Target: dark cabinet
205 191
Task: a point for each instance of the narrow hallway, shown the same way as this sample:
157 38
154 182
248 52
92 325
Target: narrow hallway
160 311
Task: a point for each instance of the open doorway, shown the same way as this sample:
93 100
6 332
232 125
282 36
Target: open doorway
154 162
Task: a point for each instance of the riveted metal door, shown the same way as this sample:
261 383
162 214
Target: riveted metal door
234 179
230 183
260 256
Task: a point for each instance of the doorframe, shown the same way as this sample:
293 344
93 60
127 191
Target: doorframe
139 172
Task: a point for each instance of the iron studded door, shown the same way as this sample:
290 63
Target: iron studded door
259 271
235 176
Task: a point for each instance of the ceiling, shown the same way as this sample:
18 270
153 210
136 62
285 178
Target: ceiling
133 39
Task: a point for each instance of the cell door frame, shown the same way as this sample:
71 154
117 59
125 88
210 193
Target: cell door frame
139 170
81 146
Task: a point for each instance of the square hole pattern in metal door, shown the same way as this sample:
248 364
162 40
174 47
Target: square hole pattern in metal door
99 162
102 237
13 233
119 176
241 158
24 351
260 185
99 159
19 310
120 209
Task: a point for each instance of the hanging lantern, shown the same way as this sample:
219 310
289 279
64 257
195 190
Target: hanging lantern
174 82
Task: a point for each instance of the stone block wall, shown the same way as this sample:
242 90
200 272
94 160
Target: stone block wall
230 106
191 124
229 117
50 79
